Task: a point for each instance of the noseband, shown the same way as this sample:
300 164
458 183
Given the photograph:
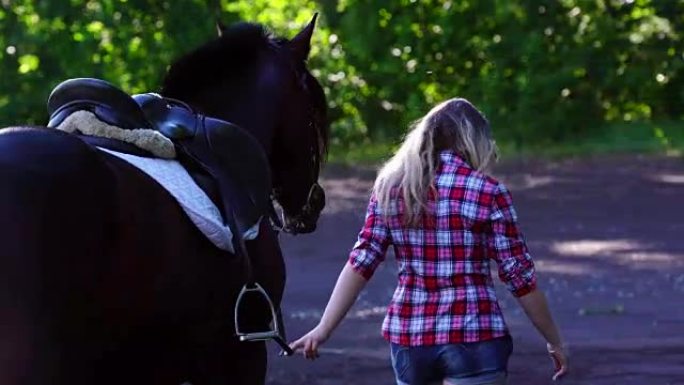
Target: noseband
315 203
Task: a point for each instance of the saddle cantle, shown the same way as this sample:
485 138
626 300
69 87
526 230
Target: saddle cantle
105 116
107 102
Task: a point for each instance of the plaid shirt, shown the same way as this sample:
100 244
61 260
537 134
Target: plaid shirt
445 292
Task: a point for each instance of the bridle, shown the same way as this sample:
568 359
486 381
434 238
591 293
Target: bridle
315 201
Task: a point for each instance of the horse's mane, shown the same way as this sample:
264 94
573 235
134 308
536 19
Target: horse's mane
232 57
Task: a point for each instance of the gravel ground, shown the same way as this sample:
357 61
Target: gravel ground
607 235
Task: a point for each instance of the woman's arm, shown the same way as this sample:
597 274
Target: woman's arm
534 304
368 252
507 246
349 285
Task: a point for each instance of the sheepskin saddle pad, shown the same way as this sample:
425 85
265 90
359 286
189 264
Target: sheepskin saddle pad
96 110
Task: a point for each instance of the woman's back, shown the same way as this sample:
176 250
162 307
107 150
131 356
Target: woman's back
451 231
445 293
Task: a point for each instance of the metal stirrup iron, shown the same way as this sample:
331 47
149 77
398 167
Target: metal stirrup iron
253 287
273 334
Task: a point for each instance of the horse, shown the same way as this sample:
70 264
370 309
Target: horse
104 279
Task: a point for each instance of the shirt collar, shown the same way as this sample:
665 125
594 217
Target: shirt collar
451 157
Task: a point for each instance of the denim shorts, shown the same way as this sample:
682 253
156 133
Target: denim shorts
475 363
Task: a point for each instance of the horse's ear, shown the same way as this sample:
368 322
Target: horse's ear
220 27
301 44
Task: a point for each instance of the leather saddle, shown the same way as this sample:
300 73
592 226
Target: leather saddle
107 102
226 154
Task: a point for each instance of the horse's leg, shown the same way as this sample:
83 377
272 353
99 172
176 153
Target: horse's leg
19 305
269 266
269 269
231 363
225 360
250 364
53 241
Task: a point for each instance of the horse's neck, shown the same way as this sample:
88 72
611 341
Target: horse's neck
253 113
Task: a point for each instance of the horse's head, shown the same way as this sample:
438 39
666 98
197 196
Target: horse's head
262 83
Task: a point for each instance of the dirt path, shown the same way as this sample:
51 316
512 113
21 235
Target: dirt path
607 235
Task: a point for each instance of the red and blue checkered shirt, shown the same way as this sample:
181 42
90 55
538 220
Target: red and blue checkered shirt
445 292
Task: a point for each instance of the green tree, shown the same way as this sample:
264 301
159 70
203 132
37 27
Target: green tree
542 71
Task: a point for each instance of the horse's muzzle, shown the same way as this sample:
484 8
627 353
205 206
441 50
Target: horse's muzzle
307 219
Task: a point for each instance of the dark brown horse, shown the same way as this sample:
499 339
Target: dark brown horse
105 280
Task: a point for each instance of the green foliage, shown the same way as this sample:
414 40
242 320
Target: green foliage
543 71
623 137
128 42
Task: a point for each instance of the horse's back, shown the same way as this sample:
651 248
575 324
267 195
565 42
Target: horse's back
52 184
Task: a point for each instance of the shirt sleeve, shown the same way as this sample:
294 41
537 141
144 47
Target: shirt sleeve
506 245
371 245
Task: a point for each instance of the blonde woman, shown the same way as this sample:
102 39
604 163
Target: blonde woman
446 218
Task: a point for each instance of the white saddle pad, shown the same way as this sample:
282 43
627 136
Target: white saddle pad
196 204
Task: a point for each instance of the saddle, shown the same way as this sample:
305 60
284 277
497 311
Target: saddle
107 102
231 156
228 155
232 159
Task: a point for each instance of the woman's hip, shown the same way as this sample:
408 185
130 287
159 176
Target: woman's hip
474 363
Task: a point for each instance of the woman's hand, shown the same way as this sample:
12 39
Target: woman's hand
560 361
310 342
347 288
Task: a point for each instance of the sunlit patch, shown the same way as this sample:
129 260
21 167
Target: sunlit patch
529 181
346 195
369 312
624 250
649 256
362 313
537 181
565 268
589 248
669 178
306 314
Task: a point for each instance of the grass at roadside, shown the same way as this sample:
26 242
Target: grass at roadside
664 138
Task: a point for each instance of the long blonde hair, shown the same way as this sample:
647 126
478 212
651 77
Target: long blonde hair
452 125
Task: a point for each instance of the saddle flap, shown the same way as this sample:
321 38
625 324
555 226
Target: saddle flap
246 170
232 156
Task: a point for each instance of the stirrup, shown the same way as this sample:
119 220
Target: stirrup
273 334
